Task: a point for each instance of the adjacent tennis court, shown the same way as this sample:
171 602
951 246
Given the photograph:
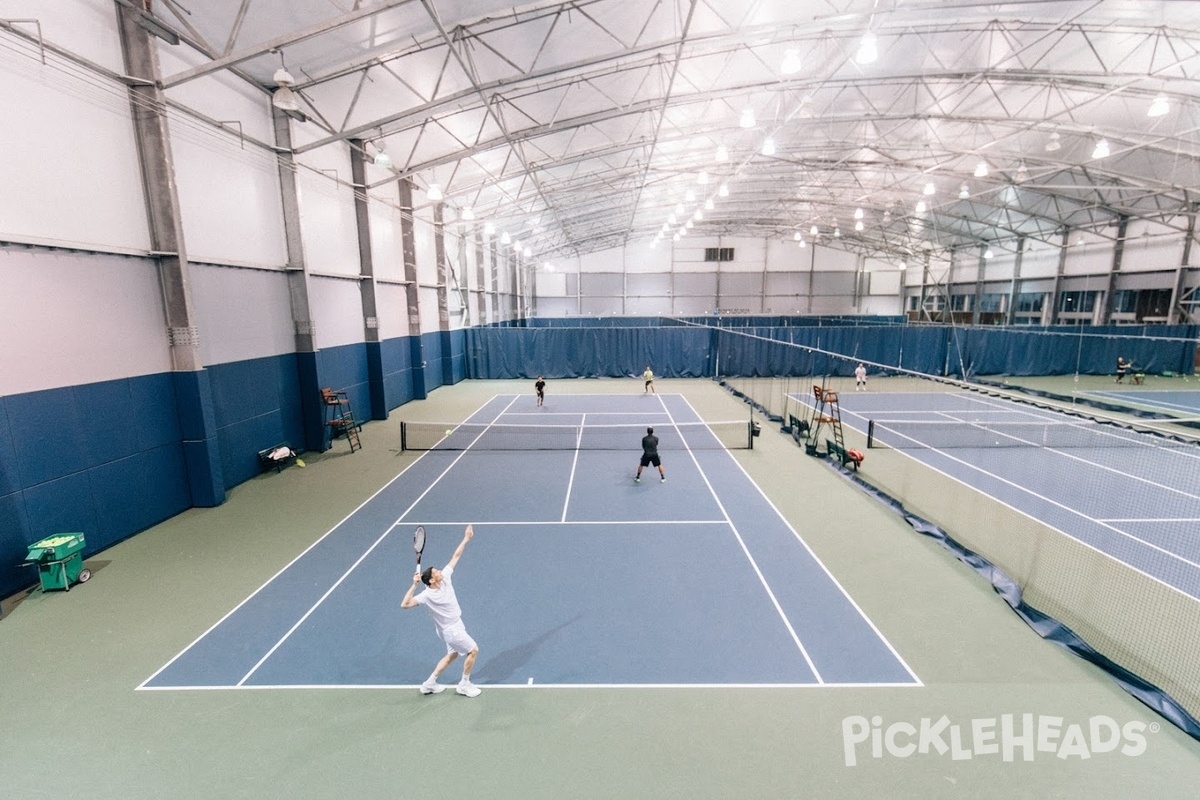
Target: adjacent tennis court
1130 494
577 576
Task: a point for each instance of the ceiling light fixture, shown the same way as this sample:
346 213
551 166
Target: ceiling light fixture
434 192
505 238
813 231
723 191
858 226
1054 143
800 243
747 120
867 50
489 229
722 153
768 148
1101 150
690 196
698 216
1022 173
284 98
903 266
921 206
1159 107
672 219
381 159
679 208
528 252
702 178
837 232
791 62
796 237
708 204
987 253
981 169
858 213
468 214
963 192
929 188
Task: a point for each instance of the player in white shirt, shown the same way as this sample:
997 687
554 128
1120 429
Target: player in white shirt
443 606
860 378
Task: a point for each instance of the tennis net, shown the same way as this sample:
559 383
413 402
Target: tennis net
1058 434
727 435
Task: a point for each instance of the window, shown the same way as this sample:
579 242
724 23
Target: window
1030 302
1078 302
718 254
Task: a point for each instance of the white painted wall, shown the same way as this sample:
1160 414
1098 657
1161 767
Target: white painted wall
243 313
69 318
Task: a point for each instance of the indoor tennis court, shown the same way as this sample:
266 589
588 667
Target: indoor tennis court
728 575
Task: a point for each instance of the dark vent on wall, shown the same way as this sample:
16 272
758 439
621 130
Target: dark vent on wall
718 254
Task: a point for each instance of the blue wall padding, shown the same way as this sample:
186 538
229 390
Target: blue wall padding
756 321
431 365
105 459
416 351
396 356
675 352
379 407
201 445
308 405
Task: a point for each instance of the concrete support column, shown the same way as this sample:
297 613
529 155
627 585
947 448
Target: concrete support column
1118 257
366 282
193 392
1016 281
1177 313
1056 294
443 289
305 329
409 247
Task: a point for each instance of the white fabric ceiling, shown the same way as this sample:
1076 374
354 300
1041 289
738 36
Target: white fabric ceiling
584 125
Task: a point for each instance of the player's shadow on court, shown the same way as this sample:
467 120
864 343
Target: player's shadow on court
504 665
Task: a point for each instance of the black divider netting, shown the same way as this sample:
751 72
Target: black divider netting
727 435
949 434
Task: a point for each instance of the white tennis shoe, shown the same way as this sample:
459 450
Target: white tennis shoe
429 687
468 689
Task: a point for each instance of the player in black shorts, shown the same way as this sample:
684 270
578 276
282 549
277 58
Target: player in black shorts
540 388
650 456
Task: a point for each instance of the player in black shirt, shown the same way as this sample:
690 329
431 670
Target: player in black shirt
540 386
650 456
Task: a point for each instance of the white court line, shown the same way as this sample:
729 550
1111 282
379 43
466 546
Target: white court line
1151 519
762 579
526 523
487 687
1064 506
828 574
383 536
574 464
287 566
1027 515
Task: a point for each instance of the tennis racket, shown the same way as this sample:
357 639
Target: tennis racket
419 543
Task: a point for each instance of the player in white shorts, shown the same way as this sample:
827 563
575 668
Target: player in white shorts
443 606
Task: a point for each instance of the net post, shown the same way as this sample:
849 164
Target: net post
403 436
870 434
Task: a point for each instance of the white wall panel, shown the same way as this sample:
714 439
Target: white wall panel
336 308
241 313
61 187
229 200
327 224
424 249
391 309
387 249
430 318
74 318
85 27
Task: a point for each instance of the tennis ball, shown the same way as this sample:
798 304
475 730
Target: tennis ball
448 432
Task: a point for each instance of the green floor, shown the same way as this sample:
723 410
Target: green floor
75 727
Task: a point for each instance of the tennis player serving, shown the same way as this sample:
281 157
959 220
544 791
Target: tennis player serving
439 598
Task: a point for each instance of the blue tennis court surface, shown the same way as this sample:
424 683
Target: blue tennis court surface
1132 496
576 576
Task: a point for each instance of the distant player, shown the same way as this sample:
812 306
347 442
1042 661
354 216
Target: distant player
540 387
648 377
650 456
1122 367
860 378
443 606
